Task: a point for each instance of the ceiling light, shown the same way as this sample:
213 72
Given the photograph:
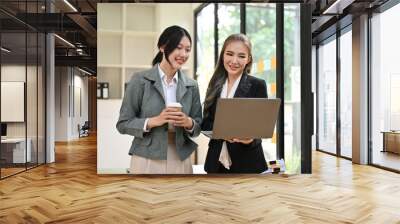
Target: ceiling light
70 5
5 50
337 6
84 71
64 40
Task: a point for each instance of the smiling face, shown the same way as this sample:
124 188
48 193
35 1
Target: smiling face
180 54
236 57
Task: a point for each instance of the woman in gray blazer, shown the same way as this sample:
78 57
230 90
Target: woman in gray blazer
162 143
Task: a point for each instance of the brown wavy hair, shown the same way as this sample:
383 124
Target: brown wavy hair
220 74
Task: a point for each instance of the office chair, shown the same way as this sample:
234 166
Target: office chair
84 130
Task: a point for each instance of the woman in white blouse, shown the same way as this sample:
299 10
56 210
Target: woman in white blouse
231 79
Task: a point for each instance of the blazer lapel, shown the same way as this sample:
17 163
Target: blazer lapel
181 88
154 76
243 88
159 88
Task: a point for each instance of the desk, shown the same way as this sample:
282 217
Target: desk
15 148
391 141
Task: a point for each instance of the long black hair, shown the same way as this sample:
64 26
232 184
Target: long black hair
169 40
220 74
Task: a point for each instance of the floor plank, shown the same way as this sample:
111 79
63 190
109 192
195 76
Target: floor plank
70 191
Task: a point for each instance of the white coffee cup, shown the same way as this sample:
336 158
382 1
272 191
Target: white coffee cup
175 105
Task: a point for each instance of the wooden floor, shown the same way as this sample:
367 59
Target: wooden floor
10 171
70 191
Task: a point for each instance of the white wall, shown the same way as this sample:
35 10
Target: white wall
80 103
17 73
112 147
169 14
14 73
71 87
33 126
12 101
61 103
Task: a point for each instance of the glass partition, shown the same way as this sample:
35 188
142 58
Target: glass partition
22 88
346 94
13 95
327 96
385 89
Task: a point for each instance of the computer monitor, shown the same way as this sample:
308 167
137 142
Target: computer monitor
3 129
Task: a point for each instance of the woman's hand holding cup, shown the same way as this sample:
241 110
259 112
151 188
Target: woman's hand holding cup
164 117
179 118
171 114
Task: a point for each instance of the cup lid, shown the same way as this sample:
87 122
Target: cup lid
174 104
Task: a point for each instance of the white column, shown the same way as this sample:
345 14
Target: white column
50 99
360 90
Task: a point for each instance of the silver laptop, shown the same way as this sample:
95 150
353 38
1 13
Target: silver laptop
244 118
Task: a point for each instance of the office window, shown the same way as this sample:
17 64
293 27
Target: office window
385 89
205 61
346 94
261 30
228 21
292 85
205 48
327 96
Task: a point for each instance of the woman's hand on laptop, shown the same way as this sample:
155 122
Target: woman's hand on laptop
245 141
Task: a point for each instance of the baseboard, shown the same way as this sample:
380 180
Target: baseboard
112 171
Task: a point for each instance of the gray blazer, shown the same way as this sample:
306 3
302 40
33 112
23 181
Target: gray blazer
144 98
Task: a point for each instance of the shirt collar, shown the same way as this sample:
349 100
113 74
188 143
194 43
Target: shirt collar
233 89
163 75
237 81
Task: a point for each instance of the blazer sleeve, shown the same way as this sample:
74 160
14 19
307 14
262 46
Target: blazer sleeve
261 91
208 119
206 124
129 121
195 113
